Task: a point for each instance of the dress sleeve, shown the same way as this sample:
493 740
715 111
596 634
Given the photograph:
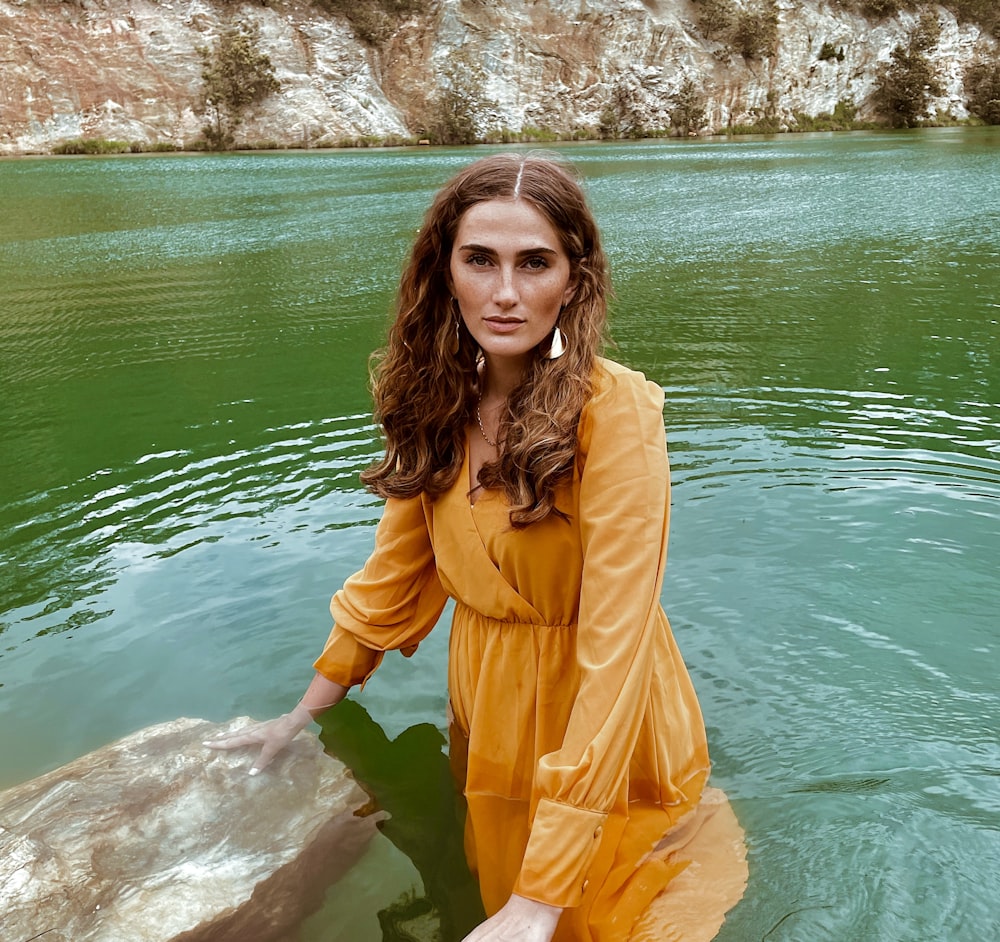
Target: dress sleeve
624 518
391 604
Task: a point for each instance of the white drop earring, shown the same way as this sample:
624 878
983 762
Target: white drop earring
557 348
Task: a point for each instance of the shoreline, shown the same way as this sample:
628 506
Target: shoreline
103 147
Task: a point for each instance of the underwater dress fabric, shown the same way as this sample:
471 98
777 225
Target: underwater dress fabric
576 730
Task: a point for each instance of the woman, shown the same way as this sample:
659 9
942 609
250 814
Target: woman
526 478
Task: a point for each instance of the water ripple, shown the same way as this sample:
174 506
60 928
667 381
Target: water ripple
178 501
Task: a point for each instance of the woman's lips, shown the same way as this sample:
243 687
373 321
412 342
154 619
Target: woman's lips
503 325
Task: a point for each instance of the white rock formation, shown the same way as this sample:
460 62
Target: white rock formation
130 70
157 838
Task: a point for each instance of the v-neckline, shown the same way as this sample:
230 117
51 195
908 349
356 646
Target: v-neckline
481 526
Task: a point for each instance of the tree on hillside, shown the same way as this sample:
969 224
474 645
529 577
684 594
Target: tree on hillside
755 35
984 12
622 116
687 112
235 75
884 8
716 18
461 109
750 30
906 84
927 33
982 85
374 21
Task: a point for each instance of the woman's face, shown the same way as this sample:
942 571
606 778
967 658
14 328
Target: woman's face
511 277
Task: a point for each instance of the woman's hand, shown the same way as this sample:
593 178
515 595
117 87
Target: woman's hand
272 736
275 735
520 920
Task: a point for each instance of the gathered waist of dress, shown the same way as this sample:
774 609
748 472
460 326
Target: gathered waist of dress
526 620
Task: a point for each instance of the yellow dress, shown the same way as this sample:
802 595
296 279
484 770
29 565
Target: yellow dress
576 728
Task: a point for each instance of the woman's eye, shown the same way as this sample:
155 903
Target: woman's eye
478 260
536 263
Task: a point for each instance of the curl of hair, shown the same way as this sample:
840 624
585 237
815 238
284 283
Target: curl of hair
425 394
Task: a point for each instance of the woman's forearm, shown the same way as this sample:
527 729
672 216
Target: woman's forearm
321 694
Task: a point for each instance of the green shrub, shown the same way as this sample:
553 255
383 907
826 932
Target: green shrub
845 111
368 140
828 52
362 140
943 119
157 147
92 146
843 118
529 134
398 140
536 135
761 126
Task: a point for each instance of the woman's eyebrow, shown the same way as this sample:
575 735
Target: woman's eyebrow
473 247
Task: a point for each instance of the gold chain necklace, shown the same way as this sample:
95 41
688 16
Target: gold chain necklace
482 430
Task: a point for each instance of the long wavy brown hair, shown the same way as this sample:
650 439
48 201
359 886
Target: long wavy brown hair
426 393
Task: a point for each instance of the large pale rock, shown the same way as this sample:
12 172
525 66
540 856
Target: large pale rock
157 838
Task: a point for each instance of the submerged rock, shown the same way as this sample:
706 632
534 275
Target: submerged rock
155 838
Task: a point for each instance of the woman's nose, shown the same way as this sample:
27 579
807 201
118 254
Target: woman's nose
505 291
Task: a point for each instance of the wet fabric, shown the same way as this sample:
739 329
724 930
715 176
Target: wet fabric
576 729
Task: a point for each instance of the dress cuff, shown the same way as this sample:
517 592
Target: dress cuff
345 660
561 849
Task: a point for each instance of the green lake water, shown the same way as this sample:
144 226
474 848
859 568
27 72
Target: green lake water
184 413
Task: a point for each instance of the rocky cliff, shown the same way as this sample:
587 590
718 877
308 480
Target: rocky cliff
130 69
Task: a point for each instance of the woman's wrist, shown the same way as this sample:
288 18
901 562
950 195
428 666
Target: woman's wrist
542 914
320 696
314 712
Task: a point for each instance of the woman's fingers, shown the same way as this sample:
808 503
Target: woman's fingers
272 736
233 742
267 753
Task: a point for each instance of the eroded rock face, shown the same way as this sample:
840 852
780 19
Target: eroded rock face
130 69
157 838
